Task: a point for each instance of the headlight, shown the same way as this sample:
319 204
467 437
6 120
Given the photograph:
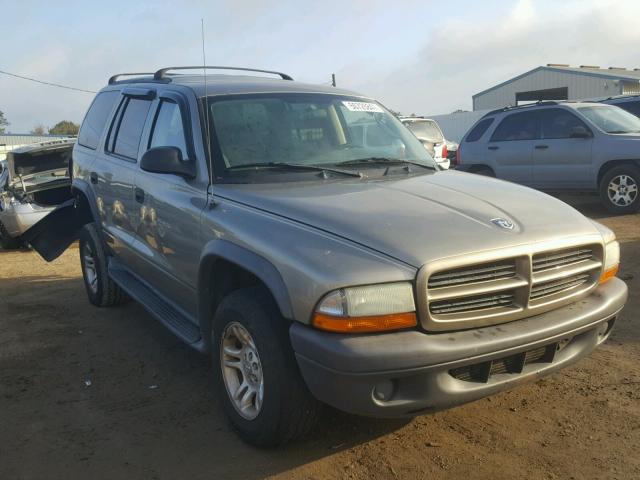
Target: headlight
611 261
370 308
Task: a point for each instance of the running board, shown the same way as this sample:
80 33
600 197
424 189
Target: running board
159 308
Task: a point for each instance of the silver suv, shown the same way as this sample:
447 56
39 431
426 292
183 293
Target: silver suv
568 146
249 217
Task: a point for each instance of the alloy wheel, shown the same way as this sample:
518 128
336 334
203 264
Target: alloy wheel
622 190
242 370
89 262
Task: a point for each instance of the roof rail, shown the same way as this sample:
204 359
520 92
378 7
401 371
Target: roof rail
113 79
518 107
162 73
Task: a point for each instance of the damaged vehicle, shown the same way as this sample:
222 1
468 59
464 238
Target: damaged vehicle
34 180
318 264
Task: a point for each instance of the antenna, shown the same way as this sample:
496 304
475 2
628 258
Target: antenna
206 105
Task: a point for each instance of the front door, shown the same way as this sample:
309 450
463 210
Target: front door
560 161
170 207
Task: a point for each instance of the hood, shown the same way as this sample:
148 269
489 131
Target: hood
422 218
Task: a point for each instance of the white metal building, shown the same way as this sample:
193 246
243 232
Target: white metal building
560 82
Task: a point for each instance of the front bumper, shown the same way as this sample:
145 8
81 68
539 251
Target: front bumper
410 372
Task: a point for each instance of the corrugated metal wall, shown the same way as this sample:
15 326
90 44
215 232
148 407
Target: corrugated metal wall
579 87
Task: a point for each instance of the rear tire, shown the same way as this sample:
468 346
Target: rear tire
7 242
619 190
253 359
101 290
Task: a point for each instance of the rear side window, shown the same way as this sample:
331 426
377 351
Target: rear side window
631 107
129 131
478 131
558 123
517 126
168 130
96 118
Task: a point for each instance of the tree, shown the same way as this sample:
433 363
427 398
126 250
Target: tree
39 130
65 127
3 122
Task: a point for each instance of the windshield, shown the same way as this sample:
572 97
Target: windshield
426 129
612 119
309 129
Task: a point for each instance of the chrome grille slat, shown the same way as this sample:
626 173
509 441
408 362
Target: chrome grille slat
479 302
547 260
555 286
473 274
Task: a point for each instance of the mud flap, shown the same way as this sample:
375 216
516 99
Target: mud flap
52 235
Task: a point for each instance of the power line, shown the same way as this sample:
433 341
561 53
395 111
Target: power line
46 83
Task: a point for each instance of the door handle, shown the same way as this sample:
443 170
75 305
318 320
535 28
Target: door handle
139 194
93 176
541 147
493 147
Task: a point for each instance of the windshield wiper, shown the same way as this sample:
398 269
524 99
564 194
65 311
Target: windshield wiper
384 161
294 166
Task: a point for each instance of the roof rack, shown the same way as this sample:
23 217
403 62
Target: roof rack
162 73
518 107
113 79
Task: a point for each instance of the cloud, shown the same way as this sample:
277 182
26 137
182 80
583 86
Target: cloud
467 55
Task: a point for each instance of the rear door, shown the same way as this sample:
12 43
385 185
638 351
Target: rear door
113 175
560 161
510 149
170 208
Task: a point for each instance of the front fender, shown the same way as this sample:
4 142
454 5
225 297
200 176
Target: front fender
219 249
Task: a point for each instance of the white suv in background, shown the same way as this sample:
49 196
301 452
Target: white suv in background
429 133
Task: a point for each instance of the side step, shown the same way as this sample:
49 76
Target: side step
168 315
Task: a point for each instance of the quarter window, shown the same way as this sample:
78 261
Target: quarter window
558 123
517 126
96 118
168 130
130 128
478 131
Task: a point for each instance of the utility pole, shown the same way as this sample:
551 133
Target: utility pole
333 79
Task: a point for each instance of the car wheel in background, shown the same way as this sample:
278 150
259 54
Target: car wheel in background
256 373
6 241
101 290
619 189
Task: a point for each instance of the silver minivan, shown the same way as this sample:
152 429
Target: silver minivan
567 146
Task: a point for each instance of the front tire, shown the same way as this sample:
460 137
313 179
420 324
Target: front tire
619 190
101 290
256 373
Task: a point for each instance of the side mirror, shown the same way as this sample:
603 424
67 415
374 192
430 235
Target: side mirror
579 132
167 160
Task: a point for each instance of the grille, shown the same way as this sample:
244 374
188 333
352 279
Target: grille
473 303
491 292
556 286
473 274
513 364
561 258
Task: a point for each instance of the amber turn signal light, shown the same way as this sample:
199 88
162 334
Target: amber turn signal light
608 275
375 323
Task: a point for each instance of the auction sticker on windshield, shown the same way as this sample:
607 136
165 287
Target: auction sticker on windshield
362 107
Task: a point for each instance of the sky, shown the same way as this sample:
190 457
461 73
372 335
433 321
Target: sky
415 56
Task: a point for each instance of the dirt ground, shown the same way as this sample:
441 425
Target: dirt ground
149 411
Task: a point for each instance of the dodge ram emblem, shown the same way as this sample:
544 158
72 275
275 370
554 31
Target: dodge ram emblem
503 223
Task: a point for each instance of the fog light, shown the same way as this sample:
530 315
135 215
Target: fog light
383 391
